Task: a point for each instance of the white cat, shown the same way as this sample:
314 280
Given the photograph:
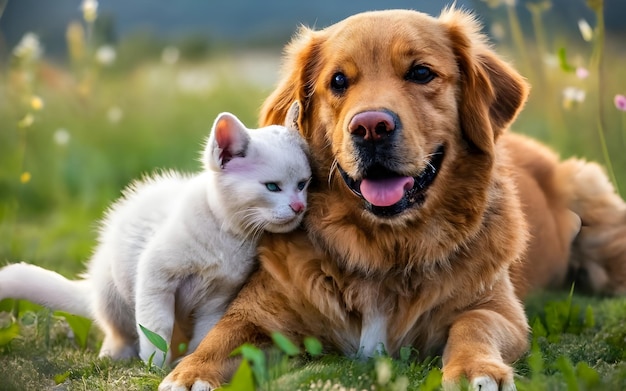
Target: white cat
177 247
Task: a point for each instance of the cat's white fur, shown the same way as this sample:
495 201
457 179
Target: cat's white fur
178 247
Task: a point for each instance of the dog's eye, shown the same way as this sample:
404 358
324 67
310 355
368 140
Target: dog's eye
339 82
420 74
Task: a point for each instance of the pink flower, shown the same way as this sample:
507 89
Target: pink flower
582 73
620 102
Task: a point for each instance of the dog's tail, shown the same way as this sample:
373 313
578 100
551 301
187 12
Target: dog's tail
590 193
47 288
598 256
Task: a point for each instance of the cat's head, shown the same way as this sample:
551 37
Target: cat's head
261 174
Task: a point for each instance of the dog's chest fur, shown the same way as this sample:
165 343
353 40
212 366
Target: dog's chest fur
373 333
352 312
385 319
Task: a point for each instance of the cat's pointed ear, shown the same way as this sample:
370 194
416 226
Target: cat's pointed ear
292 120
229 138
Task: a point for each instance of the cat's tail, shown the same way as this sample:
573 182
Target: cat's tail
47 288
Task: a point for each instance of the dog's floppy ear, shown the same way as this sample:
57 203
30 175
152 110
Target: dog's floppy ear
491 92
301 63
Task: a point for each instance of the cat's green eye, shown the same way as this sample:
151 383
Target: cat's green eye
271 186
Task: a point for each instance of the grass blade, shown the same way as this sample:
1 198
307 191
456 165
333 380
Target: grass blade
155 339
79 325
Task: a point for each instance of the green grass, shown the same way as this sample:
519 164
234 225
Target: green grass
591 356
51 196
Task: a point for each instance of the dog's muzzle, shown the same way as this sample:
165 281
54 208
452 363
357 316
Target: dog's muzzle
387 193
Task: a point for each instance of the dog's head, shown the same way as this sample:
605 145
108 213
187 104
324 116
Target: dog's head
401 111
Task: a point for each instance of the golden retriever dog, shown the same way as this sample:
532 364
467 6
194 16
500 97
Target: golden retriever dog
428 220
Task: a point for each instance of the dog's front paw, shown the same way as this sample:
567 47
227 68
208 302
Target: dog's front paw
486 383
190 375
482 376
173 385
481 383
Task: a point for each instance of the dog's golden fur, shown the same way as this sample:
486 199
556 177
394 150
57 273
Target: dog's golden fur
444 275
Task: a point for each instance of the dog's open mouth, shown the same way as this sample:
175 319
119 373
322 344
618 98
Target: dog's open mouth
388 193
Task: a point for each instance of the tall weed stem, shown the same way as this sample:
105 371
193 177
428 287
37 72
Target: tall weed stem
518 39
597 61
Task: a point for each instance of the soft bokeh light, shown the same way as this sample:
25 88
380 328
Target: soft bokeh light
383 371
61 136
498 31
25 177
26 121
582 73
115 114
106 55
36 103
170 55
585 30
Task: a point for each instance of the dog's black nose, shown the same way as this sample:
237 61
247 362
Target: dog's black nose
372 125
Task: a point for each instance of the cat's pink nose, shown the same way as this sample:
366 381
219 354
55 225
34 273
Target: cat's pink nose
297 207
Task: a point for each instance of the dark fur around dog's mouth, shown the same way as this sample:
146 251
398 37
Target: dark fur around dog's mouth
389 193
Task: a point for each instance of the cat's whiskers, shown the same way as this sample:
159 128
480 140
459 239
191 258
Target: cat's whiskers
253 223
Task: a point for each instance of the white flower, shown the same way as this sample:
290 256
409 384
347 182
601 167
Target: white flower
90 10
170 55
106 55
61 136
498 31
573 95
115 114
194 81
551 60
585 30
29 47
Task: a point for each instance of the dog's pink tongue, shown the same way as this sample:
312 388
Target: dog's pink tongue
385 192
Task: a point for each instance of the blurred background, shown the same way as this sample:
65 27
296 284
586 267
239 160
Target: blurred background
94 94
